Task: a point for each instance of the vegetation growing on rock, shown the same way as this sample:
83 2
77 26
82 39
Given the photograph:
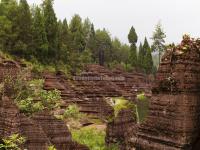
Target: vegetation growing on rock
12 142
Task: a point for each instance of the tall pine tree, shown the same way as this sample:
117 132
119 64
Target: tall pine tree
63 40
148 61
51 28
40 43
158 40
92 44
141 56
24 21
132 37
77 34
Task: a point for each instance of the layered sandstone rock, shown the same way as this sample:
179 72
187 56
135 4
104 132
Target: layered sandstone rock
174 119
91 88
40 131
12 121
117 130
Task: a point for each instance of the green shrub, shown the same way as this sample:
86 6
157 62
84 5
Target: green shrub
52 147
29 95
45 100
120 104
92 138
72 111
142 107
12 142
50 99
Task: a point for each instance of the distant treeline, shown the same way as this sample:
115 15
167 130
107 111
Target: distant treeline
34 33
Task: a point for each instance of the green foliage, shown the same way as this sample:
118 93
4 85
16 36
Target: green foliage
142 107
77 34
46 100
158 40
145 60
29 95
36 35
104 44
72 111
121 103
12 142
132 36
50 22
52 147
92 138
40 43
5 29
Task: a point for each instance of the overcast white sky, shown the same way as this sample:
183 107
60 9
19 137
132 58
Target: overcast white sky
117 16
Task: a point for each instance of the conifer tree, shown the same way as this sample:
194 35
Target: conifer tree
51 28
92 44
77 34
63 40
24 21
104 47
141 55
40 43
132 37
158 40
148 61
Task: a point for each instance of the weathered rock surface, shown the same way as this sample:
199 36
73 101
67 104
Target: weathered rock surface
117 130
174 118
90 89
41 130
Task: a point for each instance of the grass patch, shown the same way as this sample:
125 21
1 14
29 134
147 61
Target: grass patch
92 138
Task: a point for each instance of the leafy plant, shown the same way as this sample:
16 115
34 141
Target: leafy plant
121 103
72 111
52 147
142 107
12 142
29 95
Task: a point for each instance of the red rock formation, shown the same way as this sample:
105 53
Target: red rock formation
90 89
40 131
12 121
173 122
116 131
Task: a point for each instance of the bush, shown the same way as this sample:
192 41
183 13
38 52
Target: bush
29 95
72 111
12 142
121 103
45 100
142 107
52 147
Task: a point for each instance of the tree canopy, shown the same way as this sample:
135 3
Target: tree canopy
34 33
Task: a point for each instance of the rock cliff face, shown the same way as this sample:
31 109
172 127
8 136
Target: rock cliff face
118 129
174 118
41 130
90 89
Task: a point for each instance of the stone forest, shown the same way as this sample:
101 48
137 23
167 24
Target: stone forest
66 85
171 124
